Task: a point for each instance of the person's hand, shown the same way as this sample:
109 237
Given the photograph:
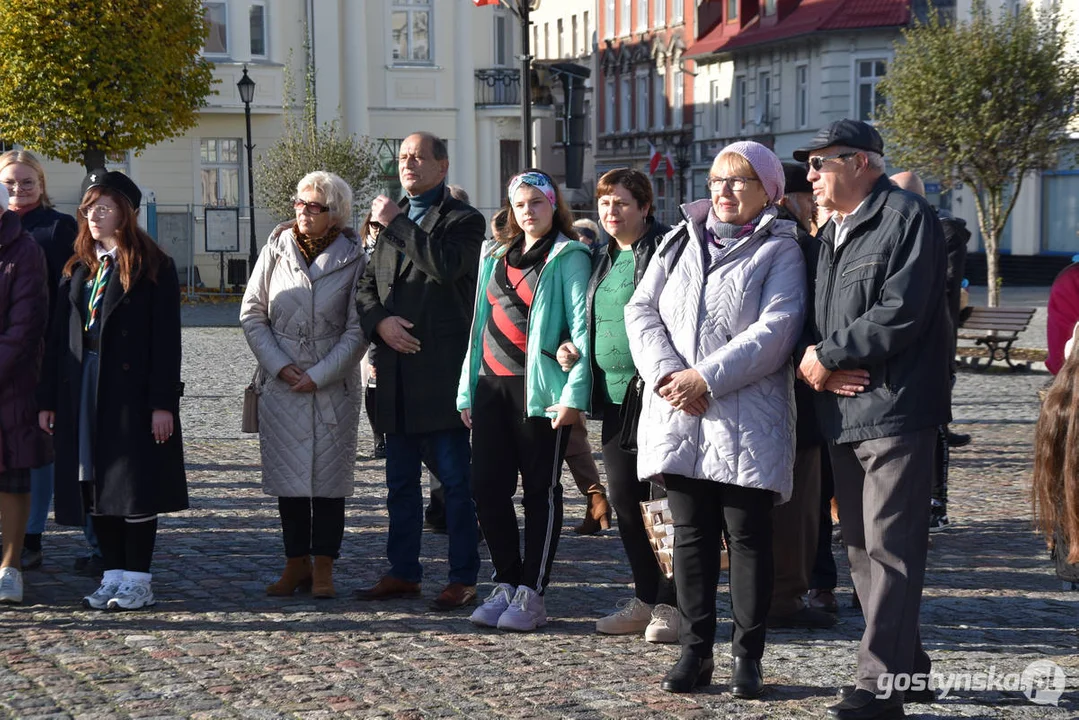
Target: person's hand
847 383
304 384
394 332
567 355
683 387
290 374
566 416
697 407
811 371
46 419
161 425
384 210
466 417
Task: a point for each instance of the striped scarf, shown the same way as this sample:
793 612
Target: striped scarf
97 290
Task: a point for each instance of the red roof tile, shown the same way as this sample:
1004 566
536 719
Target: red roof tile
810 16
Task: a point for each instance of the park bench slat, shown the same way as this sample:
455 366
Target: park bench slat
996 328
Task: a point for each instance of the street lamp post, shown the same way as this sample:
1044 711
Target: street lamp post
523 8
246 87
683 155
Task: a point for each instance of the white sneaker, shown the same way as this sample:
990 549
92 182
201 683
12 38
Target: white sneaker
487 614
10 585
110 583
665 625
525 613
632 618
134 593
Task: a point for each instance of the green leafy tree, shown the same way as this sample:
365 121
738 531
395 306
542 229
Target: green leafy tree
80 80
984 103
306 146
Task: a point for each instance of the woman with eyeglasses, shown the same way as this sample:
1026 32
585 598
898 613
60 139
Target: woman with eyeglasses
299 317
23 176
110 390
520 405
711 328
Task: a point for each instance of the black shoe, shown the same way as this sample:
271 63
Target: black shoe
688 673
31 559
864 705
926 695
91 566
435 522
380 450
957 440
806 618
747 681
938 519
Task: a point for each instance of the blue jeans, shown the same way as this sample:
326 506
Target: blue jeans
40 499
453 456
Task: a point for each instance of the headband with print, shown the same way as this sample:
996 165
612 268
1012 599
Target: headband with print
537 180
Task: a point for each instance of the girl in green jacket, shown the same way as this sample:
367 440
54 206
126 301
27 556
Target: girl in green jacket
530 296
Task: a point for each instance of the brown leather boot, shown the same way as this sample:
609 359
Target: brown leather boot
322 586
297 574
597 516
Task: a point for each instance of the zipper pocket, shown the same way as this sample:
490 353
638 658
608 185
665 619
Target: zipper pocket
859 267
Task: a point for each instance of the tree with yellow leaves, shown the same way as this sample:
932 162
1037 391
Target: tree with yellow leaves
81 80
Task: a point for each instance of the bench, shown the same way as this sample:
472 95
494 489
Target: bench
996 328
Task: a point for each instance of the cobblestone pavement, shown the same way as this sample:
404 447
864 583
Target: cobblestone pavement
216 647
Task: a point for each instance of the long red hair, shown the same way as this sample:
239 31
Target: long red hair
1055 495
136 252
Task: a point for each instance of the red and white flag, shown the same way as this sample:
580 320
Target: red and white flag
481 3
669 171
654 159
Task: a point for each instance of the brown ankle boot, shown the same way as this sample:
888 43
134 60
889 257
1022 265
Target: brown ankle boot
322 586
597 516
297 574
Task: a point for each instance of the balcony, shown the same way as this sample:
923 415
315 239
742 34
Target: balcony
501 87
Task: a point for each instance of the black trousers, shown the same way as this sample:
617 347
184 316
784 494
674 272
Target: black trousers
700 508
127 543
312 526
825 575
626 492
939 489
505 443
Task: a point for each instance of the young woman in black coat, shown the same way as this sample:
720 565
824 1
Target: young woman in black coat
111 390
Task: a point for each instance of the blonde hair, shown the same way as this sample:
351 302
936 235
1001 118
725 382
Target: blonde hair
30 160
335 191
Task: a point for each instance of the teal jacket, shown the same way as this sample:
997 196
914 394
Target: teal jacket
557 314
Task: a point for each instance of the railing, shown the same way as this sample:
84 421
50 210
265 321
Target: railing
498 86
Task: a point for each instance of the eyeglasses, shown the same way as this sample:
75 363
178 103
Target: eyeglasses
736 184
99 211
311 208
20 184
817 162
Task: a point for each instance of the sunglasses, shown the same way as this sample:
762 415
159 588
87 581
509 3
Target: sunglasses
311 208
817 162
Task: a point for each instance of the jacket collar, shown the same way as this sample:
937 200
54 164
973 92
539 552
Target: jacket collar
872 205
431 217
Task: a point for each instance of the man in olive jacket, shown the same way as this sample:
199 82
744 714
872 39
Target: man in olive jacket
415 301
877 353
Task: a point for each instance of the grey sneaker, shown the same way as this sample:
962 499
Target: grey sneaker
665 625
10 586
131 595
525 613
487 614
110 583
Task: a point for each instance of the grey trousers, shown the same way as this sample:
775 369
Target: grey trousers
882 487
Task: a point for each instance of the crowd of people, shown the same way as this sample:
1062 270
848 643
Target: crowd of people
791 338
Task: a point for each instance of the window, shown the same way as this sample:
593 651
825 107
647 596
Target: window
801 96
257 19
587 122
679 99
608 19
585 34
410 24
659 197
217 15
535 39
219 167
642 15
714 92
573 33
741 108
608 107
642 102
561 52
764 98
659 12
503 40
560 131
732 10
623 21
625 104
869 74
546 40
769 7
676 12
659 117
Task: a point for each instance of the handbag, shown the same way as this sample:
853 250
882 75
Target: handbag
249 422
630 414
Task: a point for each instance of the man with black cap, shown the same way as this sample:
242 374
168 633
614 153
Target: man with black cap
877 353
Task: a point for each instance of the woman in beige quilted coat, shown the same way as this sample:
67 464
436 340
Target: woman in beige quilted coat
299 317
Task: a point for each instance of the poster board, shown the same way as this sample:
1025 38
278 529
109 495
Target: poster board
222 226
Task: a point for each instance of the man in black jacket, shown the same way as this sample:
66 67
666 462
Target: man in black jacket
415 301
877 353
